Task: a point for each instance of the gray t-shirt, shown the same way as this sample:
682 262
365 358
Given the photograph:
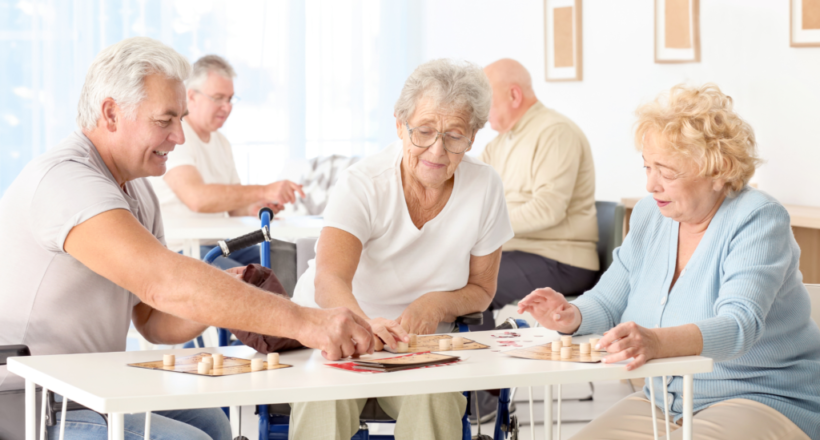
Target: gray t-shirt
49 300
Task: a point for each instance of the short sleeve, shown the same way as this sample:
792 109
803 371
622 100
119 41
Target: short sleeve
69 194
183 154
496 228
349 205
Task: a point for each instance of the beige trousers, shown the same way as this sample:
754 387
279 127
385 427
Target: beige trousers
424 416
735 419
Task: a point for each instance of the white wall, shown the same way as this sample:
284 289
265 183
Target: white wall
744 49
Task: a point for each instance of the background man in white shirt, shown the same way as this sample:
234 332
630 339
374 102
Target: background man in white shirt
201 180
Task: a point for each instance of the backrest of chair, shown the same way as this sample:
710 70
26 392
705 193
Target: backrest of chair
305 251
7 351
610 230
814 296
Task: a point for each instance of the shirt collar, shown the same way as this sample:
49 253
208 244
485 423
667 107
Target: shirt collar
525 119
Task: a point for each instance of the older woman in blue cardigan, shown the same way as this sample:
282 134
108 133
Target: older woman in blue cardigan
710 267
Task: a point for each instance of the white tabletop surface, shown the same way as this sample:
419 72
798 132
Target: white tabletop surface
232 227
104 382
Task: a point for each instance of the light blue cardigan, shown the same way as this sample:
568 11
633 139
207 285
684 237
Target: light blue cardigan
742 288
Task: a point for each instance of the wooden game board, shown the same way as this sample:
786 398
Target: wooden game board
410 361
545 353
188 365
430 343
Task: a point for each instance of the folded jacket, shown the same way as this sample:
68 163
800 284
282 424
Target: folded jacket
265 279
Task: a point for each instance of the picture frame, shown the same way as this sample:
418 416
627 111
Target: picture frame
563 40
804 23
677 31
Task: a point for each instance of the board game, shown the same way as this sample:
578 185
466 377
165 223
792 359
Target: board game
431 343
404 362
545 353
188 365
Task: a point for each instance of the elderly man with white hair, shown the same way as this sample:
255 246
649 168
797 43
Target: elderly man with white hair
412 237
201 180
84 246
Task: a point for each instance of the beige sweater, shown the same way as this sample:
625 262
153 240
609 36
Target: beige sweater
546 165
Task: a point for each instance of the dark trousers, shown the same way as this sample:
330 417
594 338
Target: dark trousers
521 273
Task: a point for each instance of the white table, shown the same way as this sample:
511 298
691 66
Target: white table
105 384
193 230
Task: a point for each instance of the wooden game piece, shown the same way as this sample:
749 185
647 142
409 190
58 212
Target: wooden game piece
566 352
208 360
458 342
218 359
168 360
205 355
414 339
556 345
203 368
273 360
585 348
593 342
402 347
566 341
257 364
444 344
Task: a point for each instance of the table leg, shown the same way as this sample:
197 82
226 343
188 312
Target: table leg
117 423
558 431
532 417
236 421
548 412
31 410
147 430
652 406
688 405
43 404
195 249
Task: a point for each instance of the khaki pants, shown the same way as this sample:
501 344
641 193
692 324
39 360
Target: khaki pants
425 416
739 419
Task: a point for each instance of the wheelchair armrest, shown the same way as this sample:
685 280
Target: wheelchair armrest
476 318
7 351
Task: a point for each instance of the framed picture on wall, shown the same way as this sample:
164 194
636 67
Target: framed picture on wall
804 18
562 40
677 31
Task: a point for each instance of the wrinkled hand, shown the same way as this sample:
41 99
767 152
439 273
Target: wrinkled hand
420 317
387 332
629 340
283 191
253 211
551 310
338 333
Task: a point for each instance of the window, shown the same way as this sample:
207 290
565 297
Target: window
315 77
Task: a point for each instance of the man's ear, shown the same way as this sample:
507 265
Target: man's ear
191 93
110 114
517 96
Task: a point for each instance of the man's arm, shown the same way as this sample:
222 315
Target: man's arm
554 168
198 196
424 314
162 328
116 246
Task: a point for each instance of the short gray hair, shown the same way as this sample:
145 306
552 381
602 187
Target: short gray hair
206 65
452 84
119 72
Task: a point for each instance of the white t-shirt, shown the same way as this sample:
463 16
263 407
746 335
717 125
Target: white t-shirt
49 300
399 262
213 160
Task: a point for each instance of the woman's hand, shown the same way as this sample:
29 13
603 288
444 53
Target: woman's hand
551 310
629 340
421 317
388 332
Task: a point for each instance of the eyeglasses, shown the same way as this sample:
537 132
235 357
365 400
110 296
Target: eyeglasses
425 137
220 101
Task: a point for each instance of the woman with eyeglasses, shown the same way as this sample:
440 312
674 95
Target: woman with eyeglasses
412 239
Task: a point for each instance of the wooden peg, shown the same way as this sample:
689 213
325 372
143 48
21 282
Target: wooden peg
566 352
218 359
444 344
203 368
414 339
458 342
402 347
585 348
273 360
593 342
566 341
556 346
169 360
257 364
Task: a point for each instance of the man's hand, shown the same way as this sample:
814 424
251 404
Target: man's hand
551 310
338 333
283 192
387 332
421 317
629 340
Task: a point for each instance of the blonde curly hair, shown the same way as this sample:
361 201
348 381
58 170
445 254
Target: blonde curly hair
699 123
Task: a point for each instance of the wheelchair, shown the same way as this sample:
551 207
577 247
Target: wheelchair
274 419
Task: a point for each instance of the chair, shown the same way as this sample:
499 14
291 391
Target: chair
610 231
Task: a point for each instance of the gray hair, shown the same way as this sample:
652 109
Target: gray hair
451 84
206 65
119 72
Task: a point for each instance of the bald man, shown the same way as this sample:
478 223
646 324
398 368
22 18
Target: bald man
545 162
